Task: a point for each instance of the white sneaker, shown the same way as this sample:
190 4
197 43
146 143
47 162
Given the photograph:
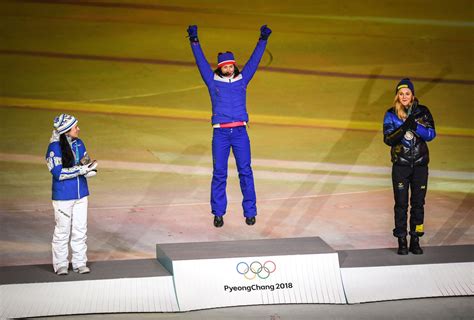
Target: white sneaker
82 270
62 271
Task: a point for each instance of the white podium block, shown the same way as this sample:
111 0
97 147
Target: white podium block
112 287
381 274
252 272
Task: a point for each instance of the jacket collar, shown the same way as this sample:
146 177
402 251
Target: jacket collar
227 80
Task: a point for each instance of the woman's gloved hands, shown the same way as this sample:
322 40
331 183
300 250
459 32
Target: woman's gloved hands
193 33
88 170
265 32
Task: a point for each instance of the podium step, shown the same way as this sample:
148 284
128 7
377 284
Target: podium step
112 286
268 271
381 274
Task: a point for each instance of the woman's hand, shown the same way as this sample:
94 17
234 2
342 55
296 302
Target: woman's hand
265 32
410 123
193 33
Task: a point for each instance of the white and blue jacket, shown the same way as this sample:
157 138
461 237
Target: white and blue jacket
68 184
228 95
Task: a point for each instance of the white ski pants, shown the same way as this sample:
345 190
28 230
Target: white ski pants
71 223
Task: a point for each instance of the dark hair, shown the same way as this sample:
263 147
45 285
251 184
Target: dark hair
66 152
218 71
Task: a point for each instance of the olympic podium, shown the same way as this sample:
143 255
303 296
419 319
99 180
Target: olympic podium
252 272
193 276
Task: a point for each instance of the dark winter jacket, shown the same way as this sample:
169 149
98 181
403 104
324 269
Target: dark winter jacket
409 148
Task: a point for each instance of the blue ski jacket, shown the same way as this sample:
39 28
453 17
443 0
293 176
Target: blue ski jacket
68 183
228 95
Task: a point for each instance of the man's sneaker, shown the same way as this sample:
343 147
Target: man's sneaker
82 270
62 271
250 221
218 221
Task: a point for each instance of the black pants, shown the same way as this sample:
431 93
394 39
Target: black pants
403 179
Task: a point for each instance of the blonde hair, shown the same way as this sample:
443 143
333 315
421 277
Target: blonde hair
400 110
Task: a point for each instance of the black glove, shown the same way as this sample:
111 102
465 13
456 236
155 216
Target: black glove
410 123
265 32
193 33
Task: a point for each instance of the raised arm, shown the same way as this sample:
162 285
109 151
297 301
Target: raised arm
251 66
201 61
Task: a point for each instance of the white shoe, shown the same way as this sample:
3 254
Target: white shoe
82 270
62 271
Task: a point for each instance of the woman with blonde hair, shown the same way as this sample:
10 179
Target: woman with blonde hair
407 126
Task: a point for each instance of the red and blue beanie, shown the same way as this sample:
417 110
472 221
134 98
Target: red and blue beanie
225 58
405 83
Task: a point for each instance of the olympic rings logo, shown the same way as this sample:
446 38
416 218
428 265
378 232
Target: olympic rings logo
255 269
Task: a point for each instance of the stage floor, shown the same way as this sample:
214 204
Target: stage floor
349 220
316 107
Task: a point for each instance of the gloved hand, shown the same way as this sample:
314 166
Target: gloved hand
85 169
193 33
90 174
86 159
265 32
410 123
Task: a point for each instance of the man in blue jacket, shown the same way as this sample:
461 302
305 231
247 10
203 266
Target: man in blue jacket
227 87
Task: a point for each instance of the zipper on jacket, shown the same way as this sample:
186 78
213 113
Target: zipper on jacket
78 192
412 160
76 158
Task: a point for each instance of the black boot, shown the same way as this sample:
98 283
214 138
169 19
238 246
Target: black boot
402 246
218 221
250 221
415 245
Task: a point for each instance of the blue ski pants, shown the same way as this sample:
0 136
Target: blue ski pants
223 140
